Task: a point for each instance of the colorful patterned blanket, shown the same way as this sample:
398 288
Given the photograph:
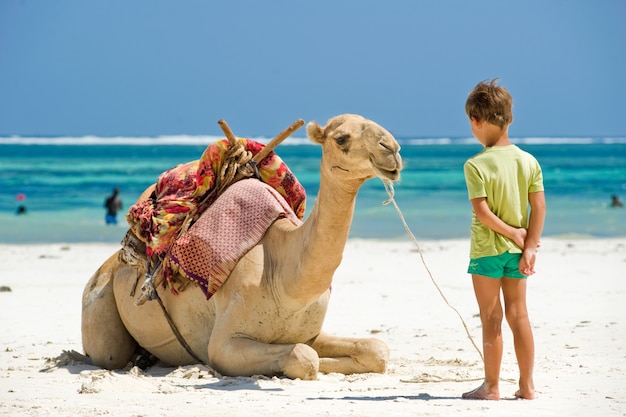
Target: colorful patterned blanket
226 231
158 220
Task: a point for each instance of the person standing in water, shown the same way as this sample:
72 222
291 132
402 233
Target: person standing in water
502 182
21 208
113 203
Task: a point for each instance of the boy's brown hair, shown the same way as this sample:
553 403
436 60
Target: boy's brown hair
491 103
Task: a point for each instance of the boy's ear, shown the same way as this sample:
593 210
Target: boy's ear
476 124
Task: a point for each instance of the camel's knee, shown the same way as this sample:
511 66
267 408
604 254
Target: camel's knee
105 339
109 356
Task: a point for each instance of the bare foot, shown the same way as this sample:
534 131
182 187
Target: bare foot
525 395
482 393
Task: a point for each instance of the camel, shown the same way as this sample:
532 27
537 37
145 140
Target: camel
267 317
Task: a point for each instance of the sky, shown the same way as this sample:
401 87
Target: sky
175 67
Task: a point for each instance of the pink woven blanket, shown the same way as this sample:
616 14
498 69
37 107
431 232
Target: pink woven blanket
157 220
225 232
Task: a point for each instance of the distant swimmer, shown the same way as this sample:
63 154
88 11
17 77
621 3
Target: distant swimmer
615 201
113 203
21 209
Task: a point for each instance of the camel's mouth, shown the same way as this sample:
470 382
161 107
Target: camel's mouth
392 175
389 168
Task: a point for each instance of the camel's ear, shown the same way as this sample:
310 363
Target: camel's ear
315 132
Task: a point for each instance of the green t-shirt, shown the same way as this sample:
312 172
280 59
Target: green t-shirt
505 175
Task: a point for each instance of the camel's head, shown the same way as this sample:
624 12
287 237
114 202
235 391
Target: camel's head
357 148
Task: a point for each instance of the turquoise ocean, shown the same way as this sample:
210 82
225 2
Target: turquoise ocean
63 182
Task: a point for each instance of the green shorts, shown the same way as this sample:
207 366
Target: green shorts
499 266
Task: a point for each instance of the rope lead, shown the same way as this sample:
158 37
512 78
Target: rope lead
390 192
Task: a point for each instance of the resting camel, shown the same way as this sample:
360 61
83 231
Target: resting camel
267 317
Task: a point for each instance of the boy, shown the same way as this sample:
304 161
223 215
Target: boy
502 181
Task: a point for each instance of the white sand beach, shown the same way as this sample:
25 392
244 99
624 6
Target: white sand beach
381 289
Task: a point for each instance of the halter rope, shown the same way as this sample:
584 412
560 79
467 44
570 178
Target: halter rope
390 192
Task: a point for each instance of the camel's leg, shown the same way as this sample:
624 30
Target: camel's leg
105 339
241 356
347 355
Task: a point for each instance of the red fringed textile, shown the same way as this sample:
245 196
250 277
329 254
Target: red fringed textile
226 231
179 190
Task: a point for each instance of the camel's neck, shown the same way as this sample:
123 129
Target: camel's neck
324 234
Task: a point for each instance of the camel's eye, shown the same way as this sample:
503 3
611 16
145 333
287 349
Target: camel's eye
342 139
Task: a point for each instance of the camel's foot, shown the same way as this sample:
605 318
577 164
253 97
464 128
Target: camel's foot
350 355
375 354
302 363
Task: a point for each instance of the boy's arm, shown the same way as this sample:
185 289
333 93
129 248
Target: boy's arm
537 202
489 219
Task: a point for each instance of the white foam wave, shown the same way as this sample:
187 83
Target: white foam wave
123 140
521 140
206 140
438 141
570 141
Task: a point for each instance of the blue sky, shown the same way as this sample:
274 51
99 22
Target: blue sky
165 67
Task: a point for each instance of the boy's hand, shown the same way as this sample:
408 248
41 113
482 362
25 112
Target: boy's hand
519 236
527 261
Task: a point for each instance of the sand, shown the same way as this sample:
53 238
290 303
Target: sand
576 301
